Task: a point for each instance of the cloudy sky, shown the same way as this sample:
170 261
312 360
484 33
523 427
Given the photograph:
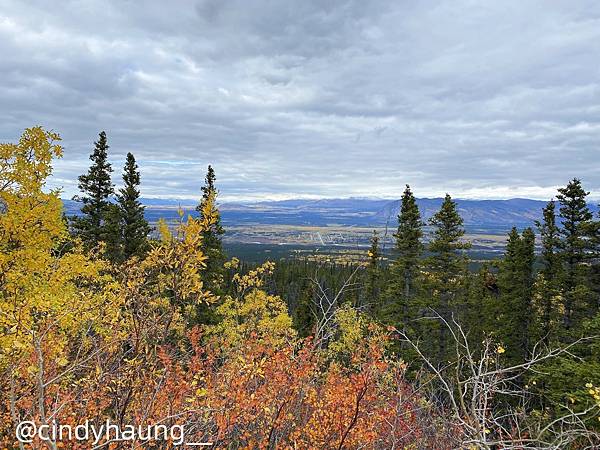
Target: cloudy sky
317 98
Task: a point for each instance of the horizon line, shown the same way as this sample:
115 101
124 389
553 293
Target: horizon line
250 200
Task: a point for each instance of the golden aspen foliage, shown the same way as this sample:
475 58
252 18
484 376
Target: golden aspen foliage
162 292
351 329
42 286
253 311
177 262
178 259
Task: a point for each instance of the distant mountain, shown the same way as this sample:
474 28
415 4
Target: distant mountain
520 212
477 214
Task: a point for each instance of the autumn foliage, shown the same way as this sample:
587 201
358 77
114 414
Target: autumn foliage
81 340
157 340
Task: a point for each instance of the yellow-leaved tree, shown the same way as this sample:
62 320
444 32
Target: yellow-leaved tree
50 292
252 311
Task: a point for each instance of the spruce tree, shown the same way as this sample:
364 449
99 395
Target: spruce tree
402 291
527 279
96 188
304 314
574 245
516 299
447 264
113 234
134 227
372 274
212 246
480 312
578 232
549 280
594 269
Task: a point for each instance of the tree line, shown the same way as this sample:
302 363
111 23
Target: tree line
116 219
96 315
428 282
87 336
543 291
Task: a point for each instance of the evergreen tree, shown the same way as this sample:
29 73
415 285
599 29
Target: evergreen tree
578 232
516 287
575 218
211 238
594 270
97 189
447 264
549 280
134 227
113 234
213 273
372 274
304 313
402 290
480 314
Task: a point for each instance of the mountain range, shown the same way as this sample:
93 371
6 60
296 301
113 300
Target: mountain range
477 214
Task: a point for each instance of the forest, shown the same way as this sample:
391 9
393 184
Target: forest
100 319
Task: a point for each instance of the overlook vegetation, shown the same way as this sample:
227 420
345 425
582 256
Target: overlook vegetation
99 321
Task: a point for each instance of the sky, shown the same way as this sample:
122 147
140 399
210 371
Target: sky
312 98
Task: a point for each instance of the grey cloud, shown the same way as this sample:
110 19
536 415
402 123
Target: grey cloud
313 98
